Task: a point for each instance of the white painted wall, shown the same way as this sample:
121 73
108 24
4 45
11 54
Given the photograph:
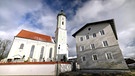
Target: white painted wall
61 36
33 69
16 52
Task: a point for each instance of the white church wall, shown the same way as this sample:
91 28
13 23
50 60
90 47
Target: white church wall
15 51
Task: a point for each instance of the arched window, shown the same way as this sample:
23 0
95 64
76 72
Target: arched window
62 23
32 51
50 54
41 53
21 46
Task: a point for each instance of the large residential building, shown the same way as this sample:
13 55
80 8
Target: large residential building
97 46
33 46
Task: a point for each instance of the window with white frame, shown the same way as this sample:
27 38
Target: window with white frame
82 48
105 44
92 46
94 34
83 58
109 55
81 38
94 57
87 36
102 32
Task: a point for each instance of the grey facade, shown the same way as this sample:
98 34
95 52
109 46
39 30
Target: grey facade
97 46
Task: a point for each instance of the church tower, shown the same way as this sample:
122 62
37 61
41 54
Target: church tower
61 37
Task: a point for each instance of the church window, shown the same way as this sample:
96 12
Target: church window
102 32
32 51
87 36
92 46
62 23
21 46
81 38
94 57
83 58
105 44
94 34
50 54
82 48
41 53
109 55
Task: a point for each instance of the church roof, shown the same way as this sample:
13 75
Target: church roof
34 36
111 21
61 13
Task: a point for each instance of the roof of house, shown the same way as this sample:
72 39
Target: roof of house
34 36
111 21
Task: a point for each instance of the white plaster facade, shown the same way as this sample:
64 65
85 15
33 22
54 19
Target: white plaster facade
16 52
61 36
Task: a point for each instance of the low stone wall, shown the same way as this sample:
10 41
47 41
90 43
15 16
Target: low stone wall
34 68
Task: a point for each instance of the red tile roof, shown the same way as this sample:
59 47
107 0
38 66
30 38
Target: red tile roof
34 36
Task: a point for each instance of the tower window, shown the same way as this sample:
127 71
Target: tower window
94 34
94 57
102 32
62 23
105 44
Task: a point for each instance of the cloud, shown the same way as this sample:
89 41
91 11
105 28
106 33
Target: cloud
11 12
14 17
39 16
122 11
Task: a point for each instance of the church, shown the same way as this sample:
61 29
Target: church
34 47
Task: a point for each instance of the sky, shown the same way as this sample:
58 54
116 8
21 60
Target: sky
40 16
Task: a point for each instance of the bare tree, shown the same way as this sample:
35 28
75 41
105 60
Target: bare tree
4 47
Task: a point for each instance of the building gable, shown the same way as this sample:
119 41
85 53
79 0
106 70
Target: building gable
111 22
